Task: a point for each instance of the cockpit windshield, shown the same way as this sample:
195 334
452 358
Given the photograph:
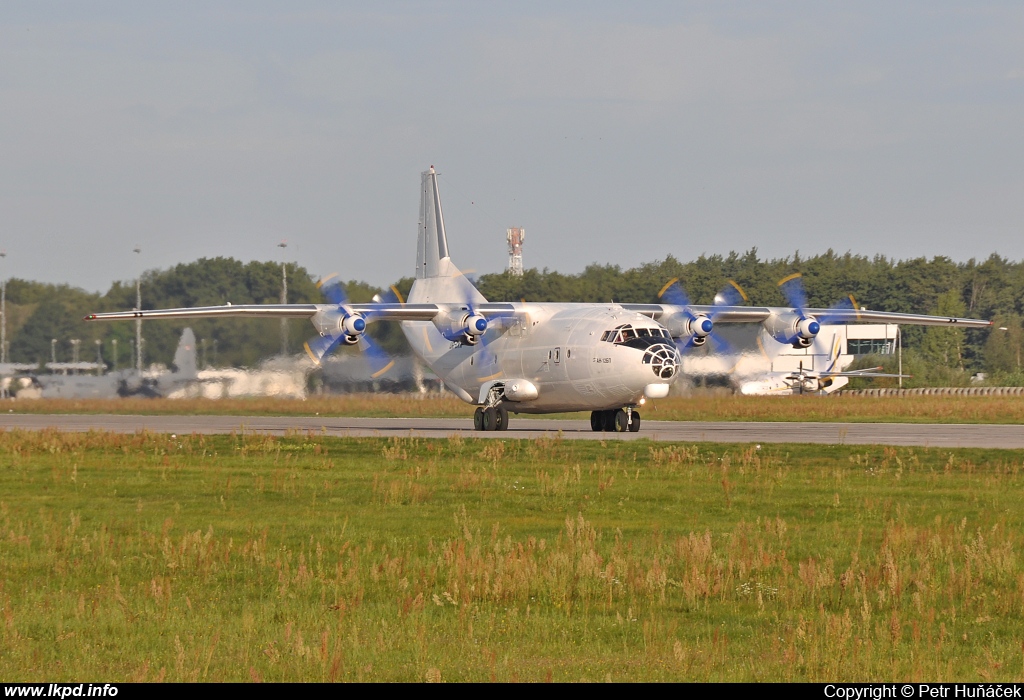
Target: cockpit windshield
627 332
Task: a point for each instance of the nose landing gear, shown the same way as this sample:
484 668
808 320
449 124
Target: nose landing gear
616 420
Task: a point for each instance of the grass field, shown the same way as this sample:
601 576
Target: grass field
908 409
154 557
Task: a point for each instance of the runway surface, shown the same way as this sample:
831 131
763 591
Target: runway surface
920 434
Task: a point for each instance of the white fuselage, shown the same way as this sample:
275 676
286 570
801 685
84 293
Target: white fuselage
558 348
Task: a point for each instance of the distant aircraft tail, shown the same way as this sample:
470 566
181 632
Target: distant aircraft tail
833 356
185 366
437 278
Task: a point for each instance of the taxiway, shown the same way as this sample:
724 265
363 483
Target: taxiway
907 434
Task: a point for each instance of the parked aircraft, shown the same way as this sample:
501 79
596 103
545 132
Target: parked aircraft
121 383
535 357
14 377
810 381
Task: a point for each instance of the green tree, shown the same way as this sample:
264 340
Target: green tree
1004 348
943 346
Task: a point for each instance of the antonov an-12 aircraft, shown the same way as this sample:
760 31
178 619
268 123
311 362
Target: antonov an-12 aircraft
537 357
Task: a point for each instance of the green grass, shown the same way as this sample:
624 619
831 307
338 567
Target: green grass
148 557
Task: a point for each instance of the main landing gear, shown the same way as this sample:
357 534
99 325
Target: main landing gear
490 418
617 420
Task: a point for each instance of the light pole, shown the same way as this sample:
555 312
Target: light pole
899 356
138 321
53 350
75 342
113 342
284 297
3 309
99 356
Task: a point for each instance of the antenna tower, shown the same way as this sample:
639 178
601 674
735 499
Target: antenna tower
515 238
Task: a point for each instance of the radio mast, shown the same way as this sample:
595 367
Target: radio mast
515 238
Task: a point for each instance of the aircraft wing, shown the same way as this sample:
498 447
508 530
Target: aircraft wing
250 310
757 314
863 373
725 314
372 311
843 316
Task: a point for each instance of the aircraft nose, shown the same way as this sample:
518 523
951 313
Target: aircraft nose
663 359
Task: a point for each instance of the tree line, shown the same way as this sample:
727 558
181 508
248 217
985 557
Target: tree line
38 313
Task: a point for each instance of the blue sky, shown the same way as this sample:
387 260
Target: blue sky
612 134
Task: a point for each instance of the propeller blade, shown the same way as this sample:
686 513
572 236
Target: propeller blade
793 289
320 346
673 293
683 345
380 362
392 296
333 289
842 305
720 344
732 294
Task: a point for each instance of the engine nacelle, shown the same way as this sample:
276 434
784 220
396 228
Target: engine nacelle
700 328
790 327
336 322
460 325
696 329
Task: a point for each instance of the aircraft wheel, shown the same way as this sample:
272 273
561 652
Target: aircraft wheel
634 425
502 415
478 419
619 418
597 421
490 418
608 421
619 421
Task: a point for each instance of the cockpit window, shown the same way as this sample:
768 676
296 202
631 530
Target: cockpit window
625 333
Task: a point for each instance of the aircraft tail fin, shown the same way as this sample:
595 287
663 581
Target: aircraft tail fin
432 243
185 365
437 277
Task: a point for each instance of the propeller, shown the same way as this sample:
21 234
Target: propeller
801 379
473 330
809 326
701 326
345 326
